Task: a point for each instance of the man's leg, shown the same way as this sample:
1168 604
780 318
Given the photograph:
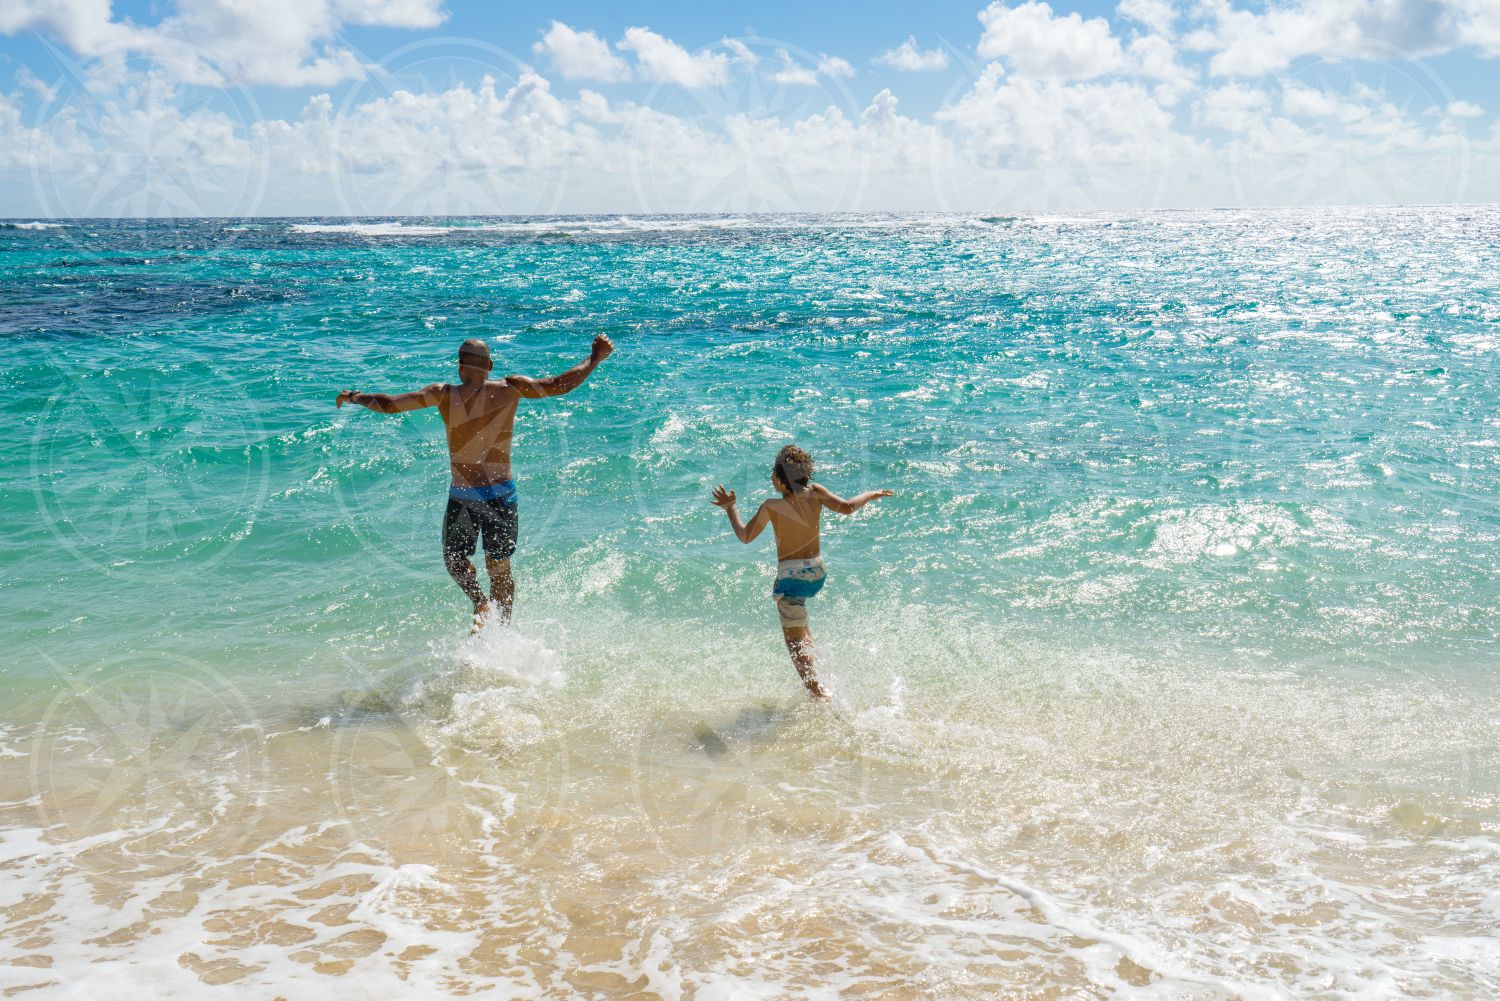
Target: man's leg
502 587
502 522
460 533
461 569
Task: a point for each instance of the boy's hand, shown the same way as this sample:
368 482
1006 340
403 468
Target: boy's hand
347 396
877 494
723 498
603 348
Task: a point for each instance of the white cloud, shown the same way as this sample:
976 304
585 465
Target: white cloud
742 53
286 43
794 74
1297 118
1052 142
910 58
1035 42
664 61
1296 144
1481 27
391 13
133 150
1009 143
1359 113
581 55
29 80
85 26
1024 119
1155 58
1071 114
1158 15
834 66
1235 107
279 42
1251 43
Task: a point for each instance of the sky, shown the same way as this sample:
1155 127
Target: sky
473 107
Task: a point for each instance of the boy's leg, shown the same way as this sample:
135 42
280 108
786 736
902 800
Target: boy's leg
502 587
800 645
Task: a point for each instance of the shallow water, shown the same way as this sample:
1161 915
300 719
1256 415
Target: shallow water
1170 670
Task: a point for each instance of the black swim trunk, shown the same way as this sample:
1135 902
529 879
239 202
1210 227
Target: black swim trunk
496 518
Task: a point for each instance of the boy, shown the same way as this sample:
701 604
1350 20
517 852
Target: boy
800 571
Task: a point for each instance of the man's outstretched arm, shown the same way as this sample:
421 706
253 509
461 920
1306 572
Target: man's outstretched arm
566 382
392 403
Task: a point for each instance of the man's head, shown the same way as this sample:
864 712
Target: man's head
474 361
793 470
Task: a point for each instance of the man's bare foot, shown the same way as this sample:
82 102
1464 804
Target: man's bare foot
481 616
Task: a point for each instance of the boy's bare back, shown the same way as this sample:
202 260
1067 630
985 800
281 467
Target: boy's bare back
795 520
794 517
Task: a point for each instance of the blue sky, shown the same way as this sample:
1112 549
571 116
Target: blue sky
186 107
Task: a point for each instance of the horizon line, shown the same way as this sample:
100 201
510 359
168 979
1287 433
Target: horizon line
1014 213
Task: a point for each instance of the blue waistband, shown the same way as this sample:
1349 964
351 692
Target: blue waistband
504 491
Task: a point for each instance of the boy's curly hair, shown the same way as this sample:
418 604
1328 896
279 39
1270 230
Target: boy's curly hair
794 468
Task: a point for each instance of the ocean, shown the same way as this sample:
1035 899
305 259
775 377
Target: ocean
1171 669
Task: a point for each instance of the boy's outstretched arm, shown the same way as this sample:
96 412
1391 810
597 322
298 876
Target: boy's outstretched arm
392 403
745 533
565 382
834 502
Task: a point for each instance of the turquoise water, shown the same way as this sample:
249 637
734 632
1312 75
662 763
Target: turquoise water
1269 432
1192 550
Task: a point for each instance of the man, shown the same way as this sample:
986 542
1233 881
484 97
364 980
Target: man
480 415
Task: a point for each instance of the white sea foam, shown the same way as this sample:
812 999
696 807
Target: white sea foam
564 226
506 655
488 696
35 225
1080 822
371 229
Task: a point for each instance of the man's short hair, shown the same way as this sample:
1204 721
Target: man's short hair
473 348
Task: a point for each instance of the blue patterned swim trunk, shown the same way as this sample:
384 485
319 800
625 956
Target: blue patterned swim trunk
796 581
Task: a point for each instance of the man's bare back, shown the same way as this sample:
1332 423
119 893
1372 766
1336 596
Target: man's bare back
480 421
